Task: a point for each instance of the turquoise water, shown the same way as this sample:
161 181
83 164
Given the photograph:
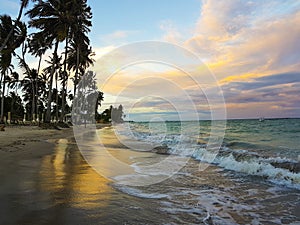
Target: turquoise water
274 137
252 177
269 149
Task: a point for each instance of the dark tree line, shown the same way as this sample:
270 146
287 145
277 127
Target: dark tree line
112 114
56 23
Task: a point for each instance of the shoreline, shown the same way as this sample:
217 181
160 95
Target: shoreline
45 180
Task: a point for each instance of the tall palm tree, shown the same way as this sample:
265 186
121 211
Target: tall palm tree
38 47
47 73
31 78
80 50
46 16
79 59
41 93
58 20
17 38
79 16
28 86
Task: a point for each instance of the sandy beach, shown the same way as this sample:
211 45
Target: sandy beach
45 180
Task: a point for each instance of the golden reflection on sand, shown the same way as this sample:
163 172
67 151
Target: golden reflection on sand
70 180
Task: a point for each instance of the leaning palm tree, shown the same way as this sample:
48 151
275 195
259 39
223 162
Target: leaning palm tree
17 38
9 35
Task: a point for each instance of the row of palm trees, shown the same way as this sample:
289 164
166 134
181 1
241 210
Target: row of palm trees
54 23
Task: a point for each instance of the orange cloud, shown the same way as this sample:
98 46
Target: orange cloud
237 45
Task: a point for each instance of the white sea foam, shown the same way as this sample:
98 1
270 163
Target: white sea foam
242 160
260 167
139 193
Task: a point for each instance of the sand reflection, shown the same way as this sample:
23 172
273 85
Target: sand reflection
71 181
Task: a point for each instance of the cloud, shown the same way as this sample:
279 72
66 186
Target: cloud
252 48
101 51
273 95
171 33
117 37
238 37
119 34
148 88
265 81
218 23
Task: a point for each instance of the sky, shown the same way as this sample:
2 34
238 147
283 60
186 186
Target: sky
249 49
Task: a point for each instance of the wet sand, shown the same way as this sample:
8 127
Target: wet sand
45 180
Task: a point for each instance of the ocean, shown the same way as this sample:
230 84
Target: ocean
158 173
251 175
269 148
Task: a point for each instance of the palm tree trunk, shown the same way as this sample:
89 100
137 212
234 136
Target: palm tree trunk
12 106
65 76
33 101
48 111
2 97
56 97
77 68
36 87
39 66
1 113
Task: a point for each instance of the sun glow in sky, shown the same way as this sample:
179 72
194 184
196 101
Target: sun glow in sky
252 47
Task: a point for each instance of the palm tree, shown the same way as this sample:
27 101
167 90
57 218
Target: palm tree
58 20
17 38
99 99
79 59
38 47
14 83
24 4
80 50
48 71
29 84
16 106
31 78
41 93
47 16
79 15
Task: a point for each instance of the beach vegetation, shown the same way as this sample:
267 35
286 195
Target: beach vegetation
55 32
